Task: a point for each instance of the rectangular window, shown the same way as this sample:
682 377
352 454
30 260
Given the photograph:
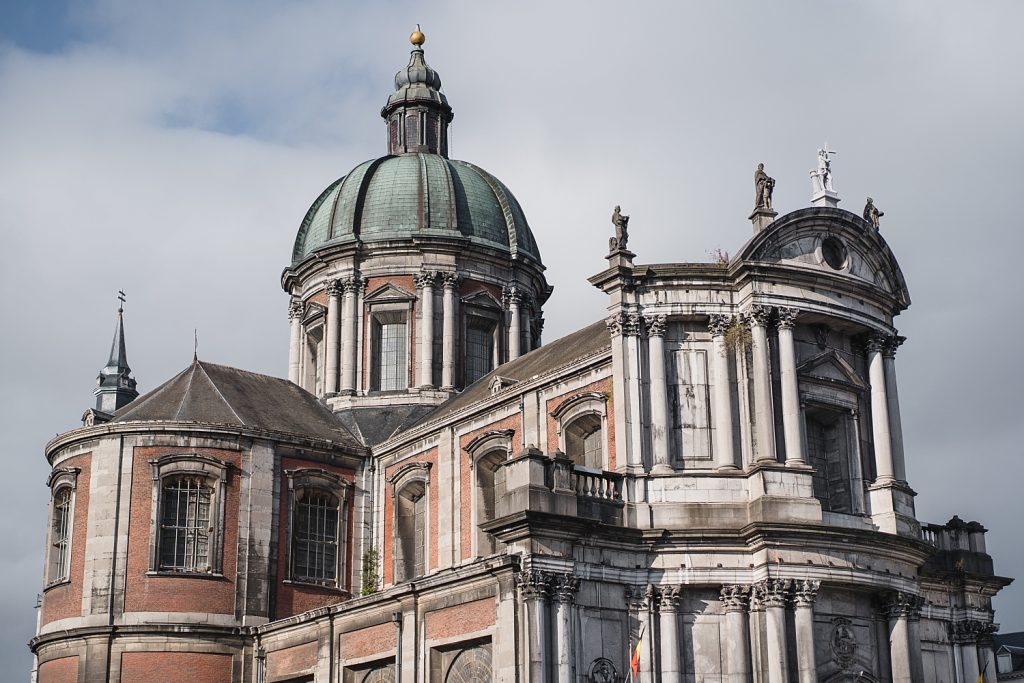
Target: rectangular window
479 348
185 525
315 543
390 355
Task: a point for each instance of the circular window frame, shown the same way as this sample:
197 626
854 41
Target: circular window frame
842 264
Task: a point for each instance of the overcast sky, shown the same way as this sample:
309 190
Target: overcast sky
171 149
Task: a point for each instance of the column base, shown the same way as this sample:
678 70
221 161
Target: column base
798 465
662 468
727 468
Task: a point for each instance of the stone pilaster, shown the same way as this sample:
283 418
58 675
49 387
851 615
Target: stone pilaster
899 607
449 343
660 424
671 647
295 340
534 592
425 283
350 321
735 601
564 588
804 594
333 346
885 472
893 401
513 297
756 319
773 593
642 601
725 457
791 416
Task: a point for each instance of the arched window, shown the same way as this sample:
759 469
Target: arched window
410 495
62 509
490 483
318 527
188 513
582 433
185 524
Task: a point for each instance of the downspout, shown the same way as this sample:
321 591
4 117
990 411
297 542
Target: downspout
396 618
113 555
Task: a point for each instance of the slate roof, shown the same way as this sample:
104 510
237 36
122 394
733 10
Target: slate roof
545 360
217 394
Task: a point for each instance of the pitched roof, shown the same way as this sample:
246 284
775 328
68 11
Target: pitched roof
217 394
544 360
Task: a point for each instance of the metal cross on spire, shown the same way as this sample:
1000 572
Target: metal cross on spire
121 297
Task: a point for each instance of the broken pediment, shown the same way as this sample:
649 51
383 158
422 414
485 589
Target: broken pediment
831 367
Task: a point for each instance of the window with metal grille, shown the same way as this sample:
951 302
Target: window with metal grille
60 541
185 529
315 537
479 348
389 352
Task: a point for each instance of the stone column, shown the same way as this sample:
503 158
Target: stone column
899 607
969 658
670 645
803 616
791 413
632 328
448 342
295 341
350 320
660 424
884 471
425 283
772 594
534 590
332 347
756 319
893 401
525 307
565 587
725 457
737 634
513 299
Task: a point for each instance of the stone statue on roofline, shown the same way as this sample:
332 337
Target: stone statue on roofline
872 214
621 223
764 185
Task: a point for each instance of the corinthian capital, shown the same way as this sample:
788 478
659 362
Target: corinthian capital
875 342
735 598
425 278
355 284
773 592
787 317
334 288
898 604
669 598
632 325
294 309
805 592
452 280
718 324
757 316
512 295
891 344
533 583
614 324
565 587
656 325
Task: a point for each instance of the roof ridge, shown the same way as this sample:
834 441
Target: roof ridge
188 388
219 393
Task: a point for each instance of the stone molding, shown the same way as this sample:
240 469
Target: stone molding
735 598
656 325
718 324
787 317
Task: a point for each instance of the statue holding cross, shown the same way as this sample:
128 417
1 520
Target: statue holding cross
822 176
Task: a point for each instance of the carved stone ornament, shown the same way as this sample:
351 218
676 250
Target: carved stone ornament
773 592
656 325
425 278
971 630
452 280
334 288
355 284
900 605
603 671
533 583
891 344
565 587
614 324
632 326
764 186
787 317
621 223
872 214
295 309
805 592
718 324
735 598
843 642
669 598
822 335
875 342
512 295
757 316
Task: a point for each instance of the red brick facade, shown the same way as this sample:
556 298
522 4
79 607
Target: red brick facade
601 386
466 483
214 595
466 618
175 667
295 660
389 515
63 670
65 600
368 641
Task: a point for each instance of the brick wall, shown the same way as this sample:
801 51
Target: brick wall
65 600
178 593
461 619
175 667
387 559
63 670
513 422
299 659
368 641
293 598
600 386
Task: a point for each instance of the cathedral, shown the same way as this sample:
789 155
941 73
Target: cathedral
707 484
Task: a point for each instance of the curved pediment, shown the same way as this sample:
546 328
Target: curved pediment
830 241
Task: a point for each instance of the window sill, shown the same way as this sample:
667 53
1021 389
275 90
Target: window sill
210 576
313 584
57 584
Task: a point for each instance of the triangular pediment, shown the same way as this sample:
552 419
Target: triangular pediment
831 367
481 298
389 292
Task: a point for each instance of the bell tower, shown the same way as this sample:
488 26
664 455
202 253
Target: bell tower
417 113
115 386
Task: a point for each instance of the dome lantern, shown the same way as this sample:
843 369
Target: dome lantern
417 113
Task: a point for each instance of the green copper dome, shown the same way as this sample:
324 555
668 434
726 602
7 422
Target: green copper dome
418 195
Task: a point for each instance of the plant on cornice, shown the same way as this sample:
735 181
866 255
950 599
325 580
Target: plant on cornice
371 572
737 335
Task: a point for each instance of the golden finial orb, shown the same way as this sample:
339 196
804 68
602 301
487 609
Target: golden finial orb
417 38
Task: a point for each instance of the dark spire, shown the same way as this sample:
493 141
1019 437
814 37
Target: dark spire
115 387
417 112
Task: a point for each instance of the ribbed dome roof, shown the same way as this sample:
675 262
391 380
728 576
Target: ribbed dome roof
416 195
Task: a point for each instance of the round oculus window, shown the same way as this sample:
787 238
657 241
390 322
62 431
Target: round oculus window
833 252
